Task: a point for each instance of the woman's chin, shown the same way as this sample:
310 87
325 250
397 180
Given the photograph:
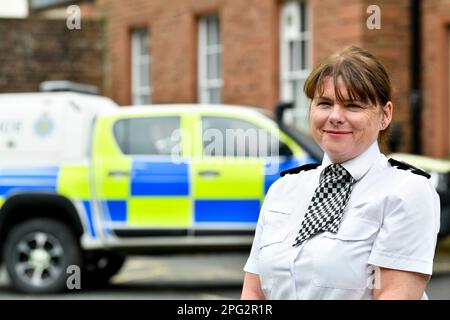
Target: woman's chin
334 146
337 154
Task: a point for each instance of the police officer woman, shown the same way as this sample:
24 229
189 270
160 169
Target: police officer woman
359 225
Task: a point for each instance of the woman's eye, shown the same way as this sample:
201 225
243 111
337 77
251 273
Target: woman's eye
323 104
354 106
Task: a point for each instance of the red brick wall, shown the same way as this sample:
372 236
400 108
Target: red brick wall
435 77
336 24
392 45
347 25
36 50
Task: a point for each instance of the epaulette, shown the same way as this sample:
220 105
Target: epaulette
296 170
406 166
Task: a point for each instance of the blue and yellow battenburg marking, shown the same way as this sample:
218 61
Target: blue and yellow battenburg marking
164 194
161 194
158 195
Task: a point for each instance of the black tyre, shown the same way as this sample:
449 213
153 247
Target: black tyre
38 253
100 267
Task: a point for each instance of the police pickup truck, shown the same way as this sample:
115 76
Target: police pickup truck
86 183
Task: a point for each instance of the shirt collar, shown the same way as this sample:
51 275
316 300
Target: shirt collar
359 165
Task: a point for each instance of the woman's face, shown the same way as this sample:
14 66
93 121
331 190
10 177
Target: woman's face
345 130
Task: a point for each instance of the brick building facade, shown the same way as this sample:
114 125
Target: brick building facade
435 77
250 33
252 60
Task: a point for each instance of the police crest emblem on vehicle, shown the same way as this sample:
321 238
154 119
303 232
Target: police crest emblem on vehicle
43 127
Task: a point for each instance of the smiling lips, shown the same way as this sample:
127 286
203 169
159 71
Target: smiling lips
336 133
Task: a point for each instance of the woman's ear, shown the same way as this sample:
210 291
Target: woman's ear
387 110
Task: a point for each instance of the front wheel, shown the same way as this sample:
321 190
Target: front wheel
38 253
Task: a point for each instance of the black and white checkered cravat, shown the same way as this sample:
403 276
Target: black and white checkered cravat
327 204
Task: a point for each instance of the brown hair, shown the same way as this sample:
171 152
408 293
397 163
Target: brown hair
364 76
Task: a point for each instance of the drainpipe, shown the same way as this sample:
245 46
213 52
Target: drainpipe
416 74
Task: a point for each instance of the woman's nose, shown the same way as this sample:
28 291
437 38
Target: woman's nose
336 116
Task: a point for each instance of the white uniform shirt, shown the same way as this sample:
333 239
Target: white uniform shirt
391 220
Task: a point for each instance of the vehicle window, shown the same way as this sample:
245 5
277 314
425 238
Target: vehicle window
148 136
232 137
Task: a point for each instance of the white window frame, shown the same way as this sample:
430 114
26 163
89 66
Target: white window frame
205 85
292 81
140 63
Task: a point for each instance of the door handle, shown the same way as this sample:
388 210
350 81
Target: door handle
118 174
209 173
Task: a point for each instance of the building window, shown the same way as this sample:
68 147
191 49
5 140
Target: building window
295 49
210 60
141 88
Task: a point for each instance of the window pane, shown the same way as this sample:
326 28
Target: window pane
149 72
144 98
144 43
301 104
212 32
304 54
294 88
294 55
214 95
139 99
213 66
148 136
144 75
303 17
219 65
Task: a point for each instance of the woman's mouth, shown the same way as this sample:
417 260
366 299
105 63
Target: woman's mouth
337 133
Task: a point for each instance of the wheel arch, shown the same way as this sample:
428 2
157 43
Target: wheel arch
25 206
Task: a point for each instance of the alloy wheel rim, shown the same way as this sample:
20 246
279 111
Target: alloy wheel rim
39 259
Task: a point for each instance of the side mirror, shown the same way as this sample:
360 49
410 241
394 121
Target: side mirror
280 108
284 151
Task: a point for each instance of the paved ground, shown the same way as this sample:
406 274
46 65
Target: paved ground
211 276
205 276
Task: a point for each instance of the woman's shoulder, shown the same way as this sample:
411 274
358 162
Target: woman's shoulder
295 177
410 195
405 178
297 170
